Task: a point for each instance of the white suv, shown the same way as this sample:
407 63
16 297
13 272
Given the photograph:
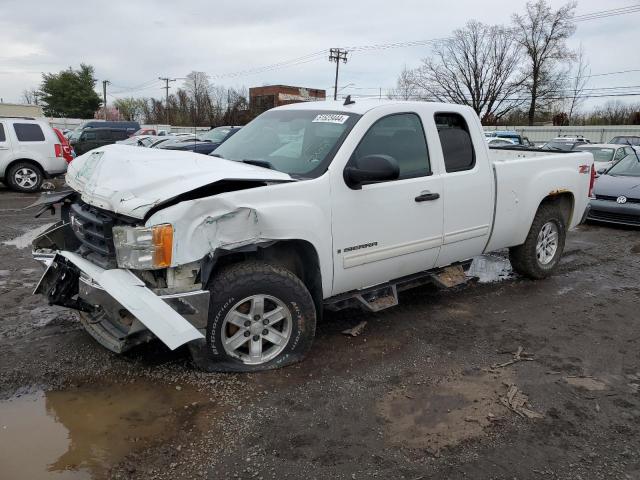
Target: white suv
30 151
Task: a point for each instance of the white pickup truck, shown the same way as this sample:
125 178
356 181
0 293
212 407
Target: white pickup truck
310 206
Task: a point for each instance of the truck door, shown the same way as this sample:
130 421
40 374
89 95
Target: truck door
389 229
467 186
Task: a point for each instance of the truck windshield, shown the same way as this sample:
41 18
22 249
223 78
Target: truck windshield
298 142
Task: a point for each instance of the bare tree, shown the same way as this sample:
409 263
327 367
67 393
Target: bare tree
578 83
543 32
197 86
406 87
477 66
30 96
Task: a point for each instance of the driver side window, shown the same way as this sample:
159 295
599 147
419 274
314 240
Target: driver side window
400 136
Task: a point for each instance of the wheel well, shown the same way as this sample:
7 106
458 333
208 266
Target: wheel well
297 256
26 160
564 200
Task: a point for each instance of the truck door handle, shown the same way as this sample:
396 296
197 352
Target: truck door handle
427 196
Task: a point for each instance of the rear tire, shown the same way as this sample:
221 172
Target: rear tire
540 254
261 317
24 177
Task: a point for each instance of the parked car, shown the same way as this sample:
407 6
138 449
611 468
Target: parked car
310 205
632 140
129 127
500 142
138 140
605 155
67 150
571 139
561 145
97 137
512 135
145 131
30 151
617 193
206 142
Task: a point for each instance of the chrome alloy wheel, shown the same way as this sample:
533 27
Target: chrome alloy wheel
25 177
547 244
256 329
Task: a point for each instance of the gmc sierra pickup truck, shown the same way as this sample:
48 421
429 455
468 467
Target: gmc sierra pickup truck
310 206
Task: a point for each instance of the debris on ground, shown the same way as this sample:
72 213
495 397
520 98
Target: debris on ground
47 186
357 330
517 402
518 356
586 382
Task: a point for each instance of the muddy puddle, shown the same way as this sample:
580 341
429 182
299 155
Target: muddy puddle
80 433
490 268
436 416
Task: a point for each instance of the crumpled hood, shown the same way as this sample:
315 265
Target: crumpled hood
132 180
614 186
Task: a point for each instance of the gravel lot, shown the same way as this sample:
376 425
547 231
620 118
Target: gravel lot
417 395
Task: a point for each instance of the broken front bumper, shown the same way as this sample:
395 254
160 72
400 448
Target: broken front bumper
117 306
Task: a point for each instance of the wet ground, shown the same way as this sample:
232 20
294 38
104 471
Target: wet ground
427 390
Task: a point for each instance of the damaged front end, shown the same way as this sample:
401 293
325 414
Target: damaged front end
118 307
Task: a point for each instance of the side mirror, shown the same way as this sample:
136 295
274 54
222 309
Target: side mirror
371 169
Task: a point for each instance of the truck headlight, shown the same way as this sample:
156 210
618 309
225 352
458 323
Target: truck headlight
143 248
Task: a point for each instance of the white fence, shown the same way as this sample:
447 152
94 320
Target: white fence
595 133
72 123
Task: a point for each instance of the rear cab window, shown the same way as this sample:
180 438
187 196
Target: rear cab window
455 139
3 137
28 132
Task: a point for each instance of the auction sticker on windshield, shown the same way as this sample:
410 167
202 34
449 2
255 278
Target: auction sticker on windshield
331 118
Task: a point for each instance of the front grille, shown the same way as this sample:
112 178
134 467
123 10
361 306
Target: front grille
611 198
93 227
614 217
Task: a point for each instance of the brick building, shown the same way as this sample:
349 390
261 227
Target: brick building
264 98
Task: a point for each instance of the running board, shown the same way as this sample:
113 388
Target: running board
385 295
377 300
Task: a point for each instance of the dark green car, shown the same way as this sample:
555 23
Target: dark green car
97 137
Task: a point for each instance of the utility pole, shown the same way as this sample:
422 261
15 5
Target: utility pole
166 81
104 97
335 55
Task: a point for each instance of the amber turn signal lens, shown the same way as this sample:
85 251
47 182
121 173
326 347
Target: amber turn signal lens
163 243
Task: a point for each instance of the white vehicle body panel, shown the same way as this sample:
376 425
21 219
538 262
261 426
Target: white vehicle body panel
488 207
130 181
40 152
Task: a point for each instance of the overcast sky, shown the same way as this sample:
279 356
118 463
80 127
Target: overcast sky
131 43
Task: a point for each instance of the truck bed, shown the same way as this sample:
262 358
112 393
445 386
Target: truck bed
522 178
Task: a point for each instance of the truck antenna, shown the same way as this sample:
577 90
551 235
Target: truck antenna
348 101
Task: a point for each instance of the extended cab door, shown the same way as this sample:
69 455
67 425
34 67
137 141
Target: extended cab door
467 183
390 229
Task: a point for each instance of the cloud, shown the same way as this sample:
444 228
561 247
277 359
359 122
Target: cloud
132 43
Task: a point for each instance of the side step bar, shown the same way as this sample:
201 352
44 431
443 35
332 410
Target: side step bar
385 295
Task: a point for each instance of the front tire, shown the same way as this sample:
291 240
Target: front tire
540 254
261 317
25 177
